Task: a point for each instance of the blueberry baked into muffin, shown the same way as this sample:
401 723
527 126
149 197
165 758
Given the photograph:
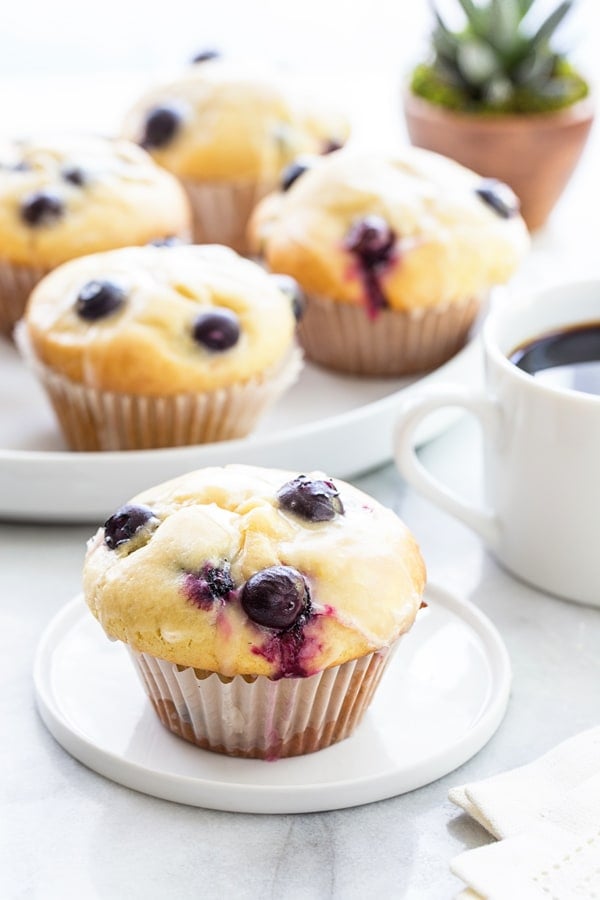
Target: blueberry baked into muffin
260 607
160 346
64 197
394 251
226 131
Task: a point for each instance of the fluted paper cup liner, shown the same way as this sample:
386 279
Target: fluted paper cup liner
16 284
221 210
93 419
343 337
254 716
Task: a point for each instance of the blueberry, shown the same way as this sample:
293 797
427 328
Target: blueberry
169 241
275 597
74 175
41 208
371 239
499 196
97 299
290 287
211 583
315 500
20 166
218 329
162 123
126 522
331 146
206 55
292 172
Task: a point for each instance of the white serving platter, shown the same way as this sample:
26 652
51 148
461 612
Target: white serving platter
339 424
441 700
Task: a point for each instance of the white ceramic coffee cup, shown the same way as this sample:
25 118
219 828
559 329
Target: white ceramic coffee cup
541 451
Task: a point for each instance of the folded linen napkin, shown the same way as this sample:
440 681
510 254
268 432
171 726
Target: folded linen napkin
546 816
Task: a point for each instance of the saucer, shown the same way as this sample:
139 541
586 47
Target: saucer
440 701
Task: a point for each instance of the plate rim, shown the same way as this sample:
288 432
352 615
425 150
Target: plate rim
253 441
366 788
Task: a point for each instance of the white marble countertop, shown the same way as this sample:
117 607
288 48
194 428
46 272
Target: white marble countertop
67 832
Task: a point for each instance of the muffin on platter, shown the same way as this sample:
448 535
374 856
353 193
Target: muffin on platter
226 130
260 607
395 252
63 197
160 346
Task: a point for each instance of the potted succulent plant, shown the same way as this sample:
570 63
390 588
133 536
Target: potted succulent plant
497 97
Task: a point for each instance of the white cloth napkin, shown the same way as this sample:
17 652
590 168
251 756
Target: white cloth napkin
546 816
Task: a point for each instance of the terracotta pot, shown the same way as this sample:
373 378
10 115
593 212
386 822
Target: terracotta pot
535 154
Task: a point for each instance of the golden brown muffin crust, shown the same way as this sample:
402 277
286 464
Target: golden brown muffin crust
363 570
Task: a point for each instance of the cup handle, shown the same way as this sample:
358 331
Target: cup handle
483 521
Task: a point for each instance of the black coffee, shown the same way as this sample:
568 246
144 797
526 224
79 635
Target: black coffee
569 358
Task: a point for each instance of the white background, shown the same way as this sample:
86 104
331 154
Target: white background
63 36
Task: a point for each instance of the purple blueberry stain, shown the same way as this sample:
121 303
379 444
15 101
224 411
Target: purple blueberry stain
292 653
126 523
277 600
210 586
372 242
316 500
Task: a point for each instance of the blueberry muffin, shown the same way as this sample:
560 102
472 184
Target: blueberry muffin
259 606
226 131
64 197
160 346
394 251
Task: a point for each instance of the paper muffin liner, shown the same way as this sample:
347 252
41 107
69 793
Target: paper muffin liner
343 337
256 717
93 419
221 210
16 284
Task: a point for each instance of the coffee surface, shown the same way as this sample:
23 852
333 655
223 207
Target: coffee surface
568 358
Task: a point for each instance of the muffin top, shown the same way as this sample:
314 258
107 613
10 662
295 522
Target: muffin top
159 321
243 570
63 197
222 121
406 231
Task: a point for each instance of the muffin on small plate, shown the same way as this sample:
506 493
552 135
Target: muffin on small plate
395 253
63 197
160 346
226 130
260 607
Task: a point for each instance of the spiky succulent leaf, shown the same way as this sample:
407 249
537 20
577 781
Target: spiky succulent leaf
525 6
535 69
498 91
476 17
478 62
544 33
504 20
495 57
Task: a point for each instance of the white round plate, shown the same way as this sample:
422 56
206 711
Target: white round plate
442 698
339 424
